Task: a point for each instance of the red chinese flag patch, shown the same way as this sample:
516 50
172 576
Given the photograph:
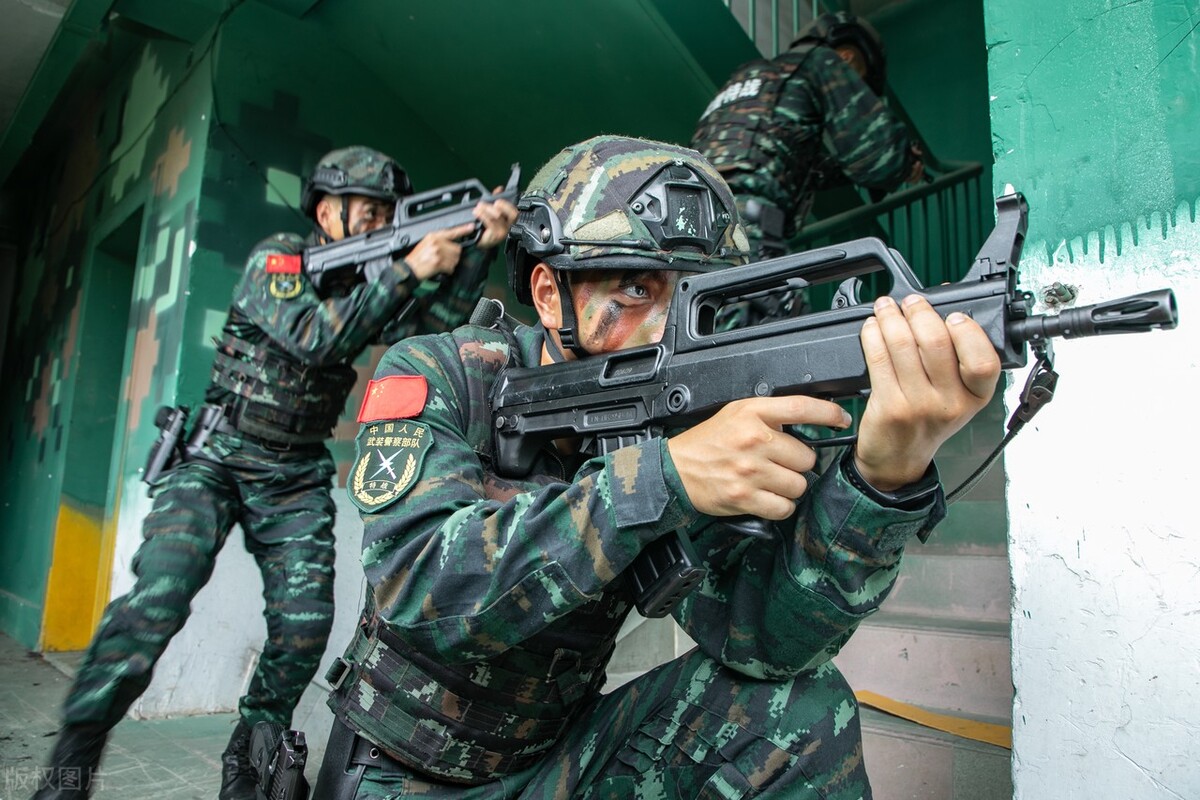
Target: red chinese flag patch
394 397
280 262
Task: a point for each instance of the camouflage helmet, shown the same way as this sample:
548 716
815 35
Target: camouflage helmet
613 202
843 28
354 170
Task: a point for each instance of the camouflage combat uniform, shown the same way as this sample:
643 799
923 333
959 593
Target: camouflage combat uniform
495 603
781 129
282 372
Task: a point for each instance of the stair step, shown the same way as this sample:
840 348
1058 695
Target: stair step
976 588
907 761
933 663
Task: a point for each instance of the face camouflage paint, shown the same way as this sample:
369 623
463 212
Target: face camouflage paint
619 310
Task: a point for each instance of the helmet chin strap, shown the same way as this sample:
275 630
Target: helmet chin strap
552 350
345 218
570 323
324 235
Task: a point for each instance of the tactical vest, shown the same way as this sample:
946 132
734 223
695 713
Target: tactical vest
739 131
474 722
279 399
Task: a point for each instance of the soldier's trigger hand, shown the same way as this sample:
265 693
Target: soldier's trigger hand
741 461
497 217
917 173
929 377
438 252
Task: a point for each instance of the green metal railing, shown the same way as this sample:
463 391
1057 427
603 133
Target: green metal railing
771 18
937 225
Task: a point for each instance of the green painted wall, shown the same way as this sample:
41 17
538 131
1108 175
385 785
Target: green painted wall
937 66
115 155
1096 111
267 134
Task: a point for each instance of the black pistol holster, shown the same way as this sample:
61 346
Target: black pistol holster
279 757
168 451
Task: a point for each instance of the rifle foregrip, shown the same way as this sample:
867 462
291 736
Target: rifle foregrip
663 574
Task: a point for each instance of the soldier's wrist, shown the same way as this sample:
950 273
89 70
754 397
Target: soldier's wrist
907 497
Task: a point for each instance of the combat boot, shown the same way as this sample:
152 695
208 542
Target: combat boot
238 777
74 765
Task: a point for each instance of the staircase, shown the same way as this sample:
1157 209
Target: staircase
941 642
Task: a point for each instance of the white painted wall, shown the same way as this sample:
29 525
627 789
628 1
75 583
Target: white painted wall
1104 509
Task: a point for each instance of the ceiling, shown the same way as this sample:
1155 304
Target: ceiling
641 66
28 27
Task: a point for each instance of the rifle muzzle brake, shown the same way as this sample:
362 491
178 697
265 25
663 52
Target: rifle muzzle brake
1134 314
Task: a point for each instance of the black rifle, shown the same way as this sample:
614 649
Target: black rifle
346 260
632 395
278 756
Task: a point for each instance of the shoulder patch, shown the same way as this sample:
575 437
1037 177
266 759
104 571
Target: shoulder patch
285 286
387 461
394 397
284 263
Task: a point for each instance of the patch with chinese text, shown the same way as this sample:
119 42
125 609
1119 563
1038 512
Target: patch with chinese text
388 458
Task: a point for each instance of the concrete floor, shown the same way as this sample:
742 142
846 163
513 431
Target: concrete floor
179 758
161 758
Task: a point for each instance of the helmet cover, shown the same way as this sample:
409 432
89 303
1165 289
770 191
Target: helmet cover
615 202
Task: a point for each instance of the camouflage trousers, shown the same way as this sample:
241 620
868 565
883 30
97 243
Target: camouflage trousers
282 502
688 729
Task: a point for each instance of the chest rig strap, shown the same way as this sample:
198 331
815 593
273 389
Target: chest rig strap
277 398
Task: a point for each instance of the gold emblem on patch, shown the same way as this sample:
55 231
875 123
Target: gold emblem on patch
285 286
388 460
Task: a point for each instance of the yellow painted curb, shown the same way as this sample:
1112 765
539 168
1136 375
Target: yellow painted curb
999 735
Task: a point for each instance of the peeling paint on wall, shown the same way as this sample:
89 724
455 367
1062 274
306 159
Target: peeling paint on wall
1095 110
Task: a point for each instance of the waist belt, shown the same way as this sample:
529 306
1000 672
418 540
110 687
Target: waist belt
430 718
220 419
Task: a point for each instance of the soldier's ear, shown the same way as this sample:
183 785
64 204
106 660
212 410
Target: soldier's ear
853 59
546 300
329 215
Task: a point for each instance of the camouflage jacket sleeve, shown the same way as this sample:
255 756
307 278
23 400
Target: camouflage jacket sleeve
465 564
444 305
866 142
286 307
772 609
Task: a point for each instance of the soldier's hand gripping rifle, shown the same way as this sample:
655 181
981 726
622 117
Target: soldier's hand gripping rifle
365 255
632 395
